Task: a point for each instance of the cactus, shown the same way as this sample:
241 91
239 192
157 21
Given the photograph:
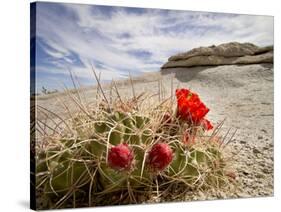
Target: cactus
181 168
140 148
140 176
96 147
100 127
110 178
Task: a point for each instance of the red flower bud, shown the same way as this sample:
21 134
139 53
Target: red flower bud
160 156
120 157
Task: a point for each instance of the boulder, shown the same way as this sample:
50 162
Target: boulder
225 54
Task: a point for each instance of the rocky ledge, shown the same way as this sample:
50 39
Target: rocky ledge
224 54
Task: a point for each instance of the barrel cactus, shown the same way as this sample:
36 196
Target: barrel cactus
131 149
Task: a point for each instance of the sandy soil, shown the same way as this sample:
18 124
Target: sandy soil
243 95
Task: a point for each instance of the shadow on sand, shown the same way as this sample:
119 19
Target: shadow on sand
185 74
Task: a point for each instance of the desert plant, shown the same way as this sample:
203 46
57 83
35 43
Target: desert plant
125 147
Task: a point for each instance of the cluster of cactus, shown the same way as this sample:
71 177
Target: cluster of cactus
115 150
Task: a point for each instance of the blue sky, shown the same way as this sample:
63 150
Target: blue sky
117 40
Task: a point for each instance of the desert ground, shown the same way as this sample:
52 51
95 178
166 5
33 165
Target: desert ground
242 95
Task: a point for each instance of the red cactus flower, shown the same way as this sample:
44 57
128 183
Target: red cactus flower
160 156
207 124
190 108
120 157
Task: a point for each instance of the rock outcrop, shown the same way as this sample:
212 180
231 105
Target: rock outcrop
225 54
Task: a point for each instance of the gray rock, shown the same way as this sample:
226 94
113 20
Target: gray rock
224 54
220 60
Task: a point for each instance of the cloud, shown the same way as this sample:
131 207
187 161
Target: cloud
118 39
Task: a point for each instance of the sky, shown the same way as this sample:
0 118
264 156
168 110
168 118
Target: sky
119 40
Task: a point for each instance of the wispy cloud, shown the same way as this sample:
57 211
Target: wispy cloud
118 39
